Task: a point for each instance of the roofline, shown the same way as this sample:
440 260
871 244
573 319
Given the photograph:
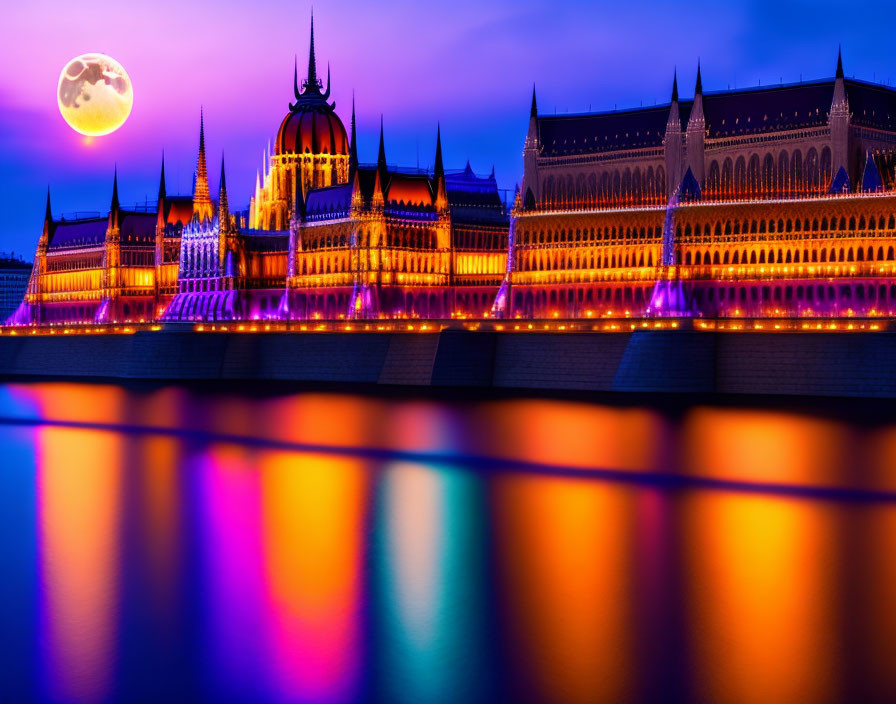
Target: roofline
713 93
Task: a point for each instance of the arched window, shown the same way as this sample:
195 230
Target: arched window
753 175
813 175
727 177
783 177
768 175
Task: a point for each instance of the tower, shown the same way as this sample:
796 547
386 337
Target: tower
353 148
696 135
159 259
111 260
672 142
202 201
839 120
530 185
311 150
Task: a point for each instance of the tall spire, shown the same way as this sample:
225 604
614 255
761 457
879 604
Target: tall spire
699 89
675 85
839 62
202 200
162 191
223 207
353 147
441 189
295 76
381 156
312 62
48 214
115 208
115 204
534 111
439 171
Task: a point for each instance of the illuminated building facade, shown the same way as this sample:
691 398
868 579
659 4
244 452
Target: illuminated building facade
325 238
763 202
311 151
397 243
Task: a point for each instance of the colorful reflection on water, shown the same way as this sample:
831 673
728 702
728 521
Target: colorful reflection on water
170 544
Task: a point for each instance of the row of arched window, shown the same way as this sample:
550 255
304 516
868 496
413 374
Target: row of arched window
737 227
588 234
646 186
790 255
771 174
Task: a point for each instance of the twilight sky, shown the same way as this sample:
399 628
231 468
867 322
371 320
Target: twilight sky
467 63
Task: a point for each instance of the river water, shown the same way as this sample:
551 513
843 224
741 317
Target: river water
172 543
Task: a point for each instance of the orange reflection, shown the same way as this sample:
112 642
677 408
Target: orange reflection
766 446
878 585
160 493
762 599
573 434
566 552
313 532
79 493
80 403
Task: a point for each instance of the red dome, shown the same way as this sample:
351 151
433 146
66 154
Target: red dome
312 132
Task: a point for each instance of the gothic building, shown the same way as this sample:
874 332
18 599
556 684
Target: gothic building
768 142
311 151
327 237
763 202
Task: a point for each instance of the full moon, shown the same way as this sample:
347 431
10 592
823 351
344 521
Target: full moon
95 94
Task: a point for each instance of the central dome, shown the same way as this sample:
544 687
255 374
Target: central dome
312 126
312 131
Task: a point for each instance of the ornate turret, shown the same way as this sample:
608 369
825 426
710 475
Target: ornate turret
378 198
439 175
839 120
381 169
672 141
530 157
696 133
223 207
202 201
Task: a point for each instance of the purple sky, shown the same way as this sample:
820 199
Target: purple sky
467 63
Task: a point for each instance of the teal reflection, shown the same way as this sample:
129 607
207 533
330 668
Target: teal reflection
430 570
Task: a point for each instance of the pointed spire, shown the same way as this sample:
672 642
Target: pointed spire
202 200
439 171
295 76
223 206
312 61
675 85
115 208
115 204
839 62
381 156
48 213
534 111
699 89
353 147
162 191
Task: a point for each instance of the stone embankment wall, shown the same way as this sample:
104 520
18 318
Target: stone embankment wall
676 361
